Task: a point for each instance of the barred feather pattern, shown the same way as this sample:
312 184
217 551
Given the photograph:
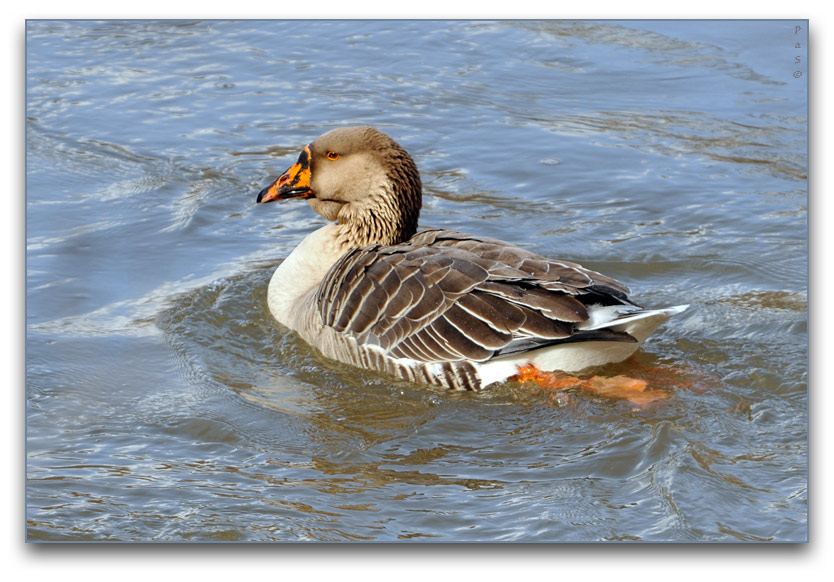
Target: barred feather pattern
426 309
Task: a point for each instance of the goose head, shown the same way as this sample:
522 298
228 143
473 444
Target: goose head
361 179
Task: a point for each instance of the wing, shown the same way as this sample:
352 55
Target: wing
447 296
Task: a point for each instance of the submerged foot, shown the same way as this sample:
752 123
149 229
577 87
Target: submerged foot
621 387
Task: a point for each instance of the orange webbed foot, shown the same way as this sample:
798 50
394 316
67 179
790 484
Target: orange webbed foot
634 390
620 387
553 380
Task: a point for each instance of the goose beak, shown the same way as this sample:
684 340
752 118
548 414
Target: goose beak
294 183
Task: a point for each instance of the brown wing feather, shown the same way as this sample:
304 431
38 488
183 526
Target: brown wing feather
447 296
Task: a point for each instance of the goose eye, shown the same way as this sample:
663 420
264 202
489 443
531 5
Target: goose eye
332 156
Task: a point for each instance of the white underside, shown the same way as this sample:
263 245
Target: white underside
293 285
573 357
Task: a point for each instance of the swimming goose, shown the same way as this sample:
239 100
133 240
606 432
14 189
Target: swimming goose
439 306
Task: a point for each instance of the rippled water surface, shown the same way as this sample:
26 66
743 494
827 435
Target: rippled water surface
164 404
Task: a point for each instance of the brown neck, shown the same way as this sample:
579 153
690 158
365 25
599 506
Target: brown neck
390 216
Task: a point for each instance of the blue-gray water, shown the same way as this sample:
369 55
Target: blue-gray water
163 404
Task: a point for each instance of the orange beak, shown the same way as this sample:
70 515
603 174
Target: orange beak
294 183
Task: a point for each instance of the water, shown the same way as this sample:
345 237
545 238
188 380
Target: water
163 404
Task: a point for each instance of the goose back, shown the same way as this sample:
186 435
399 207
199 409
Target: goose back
452 299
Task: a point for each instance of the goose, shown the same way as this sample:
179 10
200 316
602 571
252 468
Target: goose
437 306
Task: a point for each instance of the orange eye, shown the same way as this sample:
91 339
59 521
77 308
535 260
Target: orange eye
332 156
